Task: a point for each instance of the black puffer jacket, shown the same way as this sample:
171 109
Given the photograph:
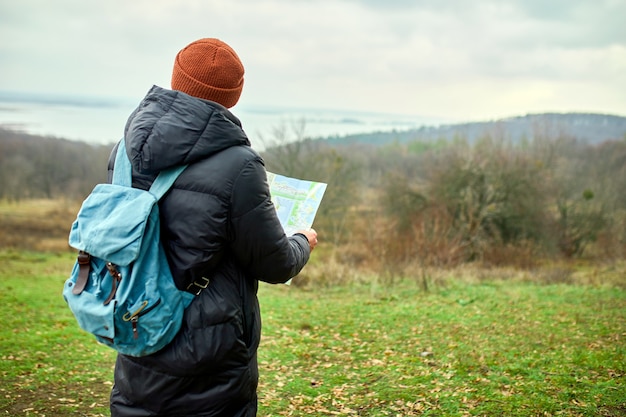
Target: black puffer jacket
218 226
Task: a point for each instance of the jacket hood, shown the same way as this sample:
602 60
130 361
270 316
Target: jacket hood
171 128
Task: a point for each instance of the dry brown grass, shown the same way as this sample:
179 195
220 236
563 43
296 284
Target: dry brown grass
38 225
43 225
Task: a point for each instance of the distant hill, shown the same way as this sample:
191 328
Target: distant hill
585 127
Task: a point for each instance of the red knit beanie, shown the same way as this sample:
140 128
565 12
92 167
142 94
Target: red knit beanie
209 69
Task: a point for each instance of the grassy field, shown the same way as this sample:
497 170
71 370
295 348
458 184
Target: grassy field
484 349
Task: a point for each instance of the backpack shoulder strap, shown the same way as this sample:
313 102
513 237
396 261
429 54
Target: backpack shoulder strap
122 173
164 180
122 170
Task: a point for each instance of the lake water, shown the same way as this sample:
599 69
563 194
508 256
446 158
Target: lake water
102 121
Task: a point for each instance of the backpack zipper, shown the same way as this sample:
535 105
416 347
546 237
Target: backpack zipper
134 317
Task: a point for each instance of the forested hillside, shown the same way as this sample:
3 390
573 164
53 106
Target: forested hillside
401 206
44 167
584 127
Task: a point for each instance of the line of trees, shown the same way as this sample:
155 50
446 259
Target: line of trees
448 201
46 167
391 207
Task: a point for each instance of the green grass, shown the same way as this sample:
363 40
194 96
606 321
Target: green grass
489 349
49 366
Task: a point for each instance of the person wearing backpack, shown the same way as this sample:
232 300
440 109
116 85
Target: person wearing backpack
221 236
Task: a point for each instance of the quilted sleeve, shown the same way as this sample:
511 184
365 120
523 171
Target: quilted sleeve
257 237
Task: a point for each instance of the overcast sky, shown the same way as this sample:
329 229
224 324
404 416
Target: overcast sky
455 59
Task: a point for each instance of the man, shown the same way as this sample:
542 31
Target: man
221 235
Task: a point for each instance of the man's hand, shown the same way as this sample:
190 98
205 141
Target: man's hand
311 235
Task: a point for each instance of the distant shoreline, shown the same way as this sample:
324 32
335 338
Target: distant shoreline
96 120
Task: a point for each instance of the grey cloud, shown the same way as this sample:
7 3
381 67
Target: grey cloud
306 50
568 23
559 9
578 23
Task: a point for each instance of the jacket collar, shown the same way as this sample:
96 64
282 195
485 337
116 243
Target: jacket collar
171 128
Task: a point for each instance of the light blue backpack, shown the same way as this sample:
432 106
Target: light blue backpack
121 288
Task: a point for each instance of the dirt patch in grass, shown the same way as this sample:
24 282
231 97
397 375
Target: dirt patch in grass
612 411
89 398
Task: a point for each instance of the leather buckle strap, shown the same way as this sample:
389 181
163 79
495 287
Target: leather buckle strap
197 287
117 277
84 266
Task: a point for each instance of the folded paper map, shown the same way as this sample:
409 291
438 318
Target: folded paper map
296 201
